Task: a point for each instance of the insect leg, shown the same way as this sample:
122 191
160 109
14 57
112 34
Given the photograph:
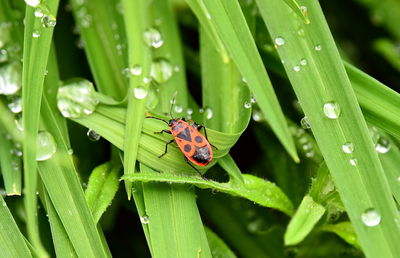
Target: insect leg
166 148
205 133
163 131
198 171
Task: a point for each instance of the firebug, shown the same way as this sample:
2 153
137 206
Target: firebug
195 146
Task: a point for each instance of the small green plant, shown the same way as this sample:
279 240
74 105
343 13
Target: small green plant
326 186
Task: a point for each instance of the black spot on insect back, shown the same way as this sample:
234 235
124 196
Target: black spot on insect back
185 135
187 148
198 139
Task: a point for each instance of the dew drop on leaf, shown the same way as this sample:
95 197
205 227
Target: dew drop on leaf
140 92
279 41
382 145
332 110
153 38
161 70
10 78
144 219
348 147
33 3
353 162
45 146
93 135
370 217
77 99
305 123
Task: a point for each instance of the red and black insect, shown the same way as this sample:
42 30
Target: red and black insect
192 143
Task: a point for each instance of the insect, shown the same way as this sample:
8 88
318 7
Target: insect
192 143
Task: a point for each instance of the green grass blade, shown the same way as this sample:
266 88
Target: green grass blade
344 230
36 51
102 32
229 165
172 220
218 248
255 189
139 54
221 81
102 186
388 50
12 242
61 181
227 20
171 51
384 13
307 215
390 161
321 80
62 245
11 166
293 4
378 102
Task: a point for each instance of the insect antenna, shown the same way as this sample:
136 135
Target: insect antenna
172 104
157 119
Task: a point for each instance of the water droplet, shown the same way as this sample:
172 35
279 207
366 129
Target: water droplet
189 111
40 11
279 41
303 62
348 147
310 154
382 145
304 10
253 99
48 21
140 92
370 217
178 108
46 146
134 70
247 104
77 99
32 3
318 47
36 34
296 68
3 55
257 115
70 151
244 79
144 219
153 38
305 123
161 70
146 80
301 32
10 78
92 135
209 113
16 105
332 110
353 162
